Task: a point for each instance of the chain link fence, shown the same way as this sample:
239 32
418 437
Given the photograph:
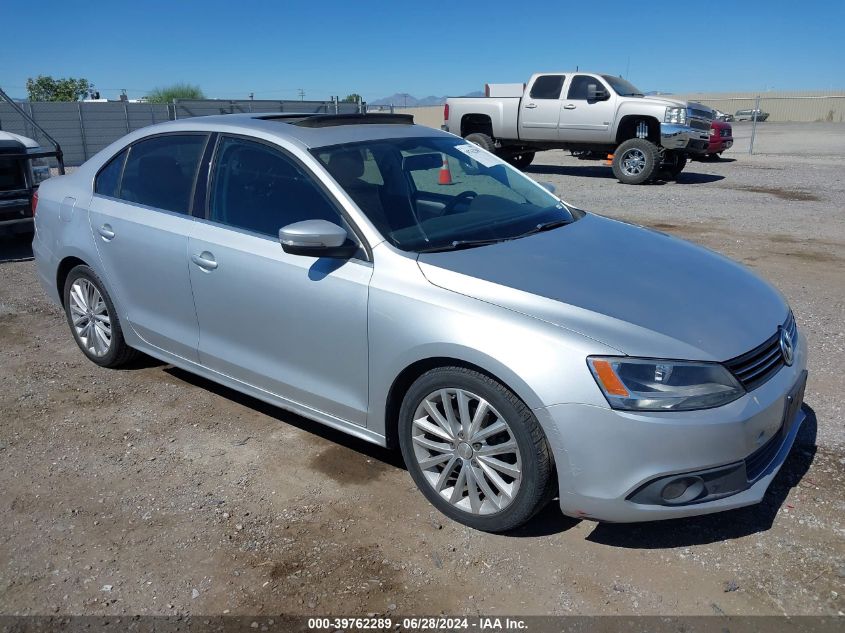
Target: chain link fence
755 118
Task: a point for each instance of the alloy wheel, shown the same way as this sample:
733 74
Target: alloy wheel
633 162
90 317
466 451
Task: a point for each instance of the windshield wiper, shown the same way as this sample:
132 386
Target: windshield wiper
461 244
545 226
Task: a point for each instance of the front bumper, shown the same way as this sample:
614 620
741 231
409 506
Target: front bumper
720 144
683 137
606 458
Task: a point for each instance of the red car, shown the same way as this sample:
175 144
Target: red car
721 138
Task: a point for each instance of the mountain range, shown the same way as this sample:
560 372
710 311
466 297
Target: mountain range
404 99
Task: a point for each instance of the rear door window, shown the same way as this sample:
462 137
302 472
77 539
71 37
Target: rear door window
160 171
547 87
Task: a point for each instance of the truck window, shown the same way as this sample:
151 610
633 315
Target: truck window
11 174
547 87
578 87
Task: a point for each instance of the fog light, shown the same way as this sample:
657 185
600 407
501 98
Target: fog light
682 490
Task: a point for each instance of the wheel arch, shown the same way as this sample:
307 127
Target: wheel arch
65 266
627 128
476 123
405 378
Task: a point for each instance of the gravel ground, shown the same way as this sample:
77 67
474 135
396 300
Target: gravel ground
150 491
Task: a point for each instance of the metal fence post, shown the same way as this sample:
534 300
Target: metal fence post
754 124
82 131
26 125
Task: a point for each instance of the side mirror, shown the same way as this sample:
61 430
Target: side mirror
547 186
317 238
594 93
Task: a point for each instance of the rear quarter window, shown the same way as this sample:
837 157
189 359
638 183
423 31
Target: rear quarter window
107 182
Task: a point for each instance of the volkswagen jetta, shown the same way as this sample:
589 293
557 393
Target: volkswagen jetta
413 290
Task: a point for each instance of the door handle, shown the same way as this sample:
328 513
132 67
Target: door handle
204 260
531 106
105 232
569 106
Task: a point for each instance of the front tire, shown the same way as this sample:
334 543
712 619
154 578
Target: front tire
93 320
636 161
474 449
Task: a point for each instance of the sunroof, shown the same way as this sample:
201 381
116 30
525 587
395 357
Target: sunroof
331 120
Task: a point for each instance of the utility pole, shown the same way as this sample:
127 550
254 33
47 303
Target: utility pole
301 94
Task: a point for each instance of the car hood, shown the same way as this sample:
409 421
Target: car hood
667 102
636 290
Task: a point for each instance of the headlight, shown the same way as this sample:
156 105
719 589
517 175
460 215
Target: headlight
675 115
635 384
40 170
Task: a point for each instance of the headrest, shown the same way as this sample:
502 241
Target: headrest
346 166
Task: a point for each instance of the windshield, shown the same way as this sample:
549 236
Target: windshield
438 193
622 87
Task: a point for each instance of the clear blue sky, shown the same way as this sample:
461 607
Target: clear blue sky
438 47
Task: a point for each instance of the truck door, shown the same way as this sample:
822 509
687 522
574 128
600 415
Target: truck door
539 110
584 119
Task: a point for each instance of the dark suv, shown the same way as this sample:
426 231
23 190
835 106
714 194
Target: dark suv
22 169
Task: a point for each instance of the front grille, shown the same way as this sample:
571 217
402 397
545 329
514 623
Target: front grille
701 114
699 124
754 368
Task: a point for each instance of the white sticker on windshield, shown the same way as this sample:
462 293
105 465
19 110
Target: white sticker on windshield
479 155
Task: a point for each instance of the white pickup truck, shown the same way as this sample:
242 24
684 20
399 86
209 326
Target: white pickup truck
595 116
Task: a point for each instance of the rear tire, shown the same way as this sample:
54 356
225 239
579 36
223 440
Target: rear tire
482 140
521 161
636 161
93 320
492 494
673 164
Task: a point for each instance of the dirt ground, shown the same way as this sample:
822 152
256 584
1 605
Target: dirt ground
150 491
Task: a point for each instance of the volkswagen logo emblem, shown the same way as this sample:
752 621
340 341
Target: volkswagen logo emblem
787 347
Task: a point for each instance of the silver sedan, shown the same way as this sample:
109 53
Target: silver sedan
411 289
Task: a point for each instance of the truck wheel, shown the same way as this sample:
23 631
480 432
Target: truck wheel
673 164
636 161
521 161
482 140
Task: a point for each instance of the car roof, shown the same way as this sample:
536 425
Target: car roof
307 129
16 141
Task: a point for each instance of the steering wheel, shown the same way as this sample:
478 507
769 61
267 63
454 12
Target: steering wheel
453 204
